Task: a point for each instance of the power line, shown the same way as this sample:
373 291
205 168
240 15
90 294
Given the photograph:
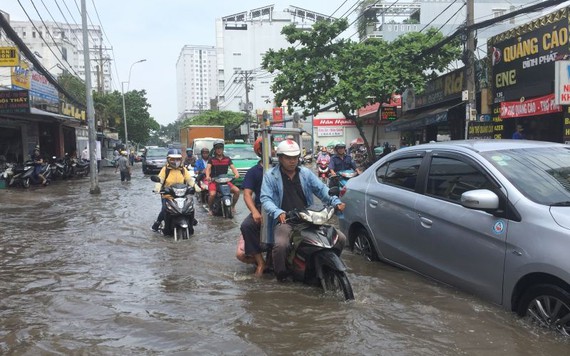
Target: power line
338 8
452 16
438 15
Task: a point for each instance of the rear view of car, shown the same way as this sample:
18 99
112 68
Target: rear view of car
489 217
243 157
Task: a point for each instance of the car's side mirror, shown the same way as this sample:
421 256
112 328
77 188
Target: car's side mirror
480 199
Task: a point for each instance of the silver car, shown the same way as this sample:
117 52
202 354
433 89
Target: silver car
489 217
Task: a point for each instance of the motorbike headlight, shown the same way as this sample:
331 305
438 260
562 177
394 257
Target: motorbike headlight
223 180
179 192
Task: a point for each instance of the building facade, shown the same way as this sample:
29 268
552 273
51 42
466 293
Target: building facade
241 40
59 47
195 79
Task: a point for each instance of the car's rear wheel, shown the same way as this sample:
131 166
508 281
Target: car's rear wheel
363 246
548 306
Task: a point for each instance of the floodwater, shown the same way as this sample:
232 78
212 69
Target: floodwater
83 274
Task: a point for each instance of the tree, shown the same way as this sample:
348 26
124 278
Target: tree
229 119
322 70
74 86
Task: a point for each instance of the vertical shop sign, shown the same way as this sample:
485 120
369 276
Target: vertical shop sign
566 127
498 127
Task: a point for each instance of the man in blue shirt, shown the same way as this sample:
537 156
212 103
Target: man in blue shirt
202 162
341 161
251 226
301 184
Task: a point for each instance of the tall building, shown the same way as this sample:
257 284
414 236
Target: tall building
195 79
59 47
241 41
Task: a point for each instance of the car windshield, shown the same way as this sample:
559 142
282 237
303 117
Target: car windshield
541 174
157 152
242 152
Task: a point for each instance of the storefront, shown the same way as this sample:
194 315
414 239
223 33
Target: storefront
523 71
332 126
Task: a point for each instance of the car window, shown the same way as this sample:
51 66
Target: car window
541 174
448 178
402 172
241 152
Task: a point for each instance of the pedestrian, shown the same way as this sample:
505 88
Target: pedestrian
85 154
287 187
132 157
123 166
38 163
518 134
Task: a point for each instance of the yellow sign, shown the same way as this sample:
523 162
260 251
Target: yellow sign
9 57
21 76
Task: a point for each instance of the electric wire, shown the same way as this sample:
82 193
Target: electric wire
364 11
452 16
438 15
50 35
338 8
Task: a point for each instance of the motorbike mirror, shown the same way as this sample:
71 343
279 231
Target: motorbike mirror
334 191
191 190
155 179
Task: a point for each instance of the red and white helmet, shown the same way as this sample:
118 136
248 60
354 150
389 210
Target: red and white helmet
288 148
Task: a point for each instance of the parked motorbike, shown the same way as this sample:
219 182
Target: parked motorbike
179 218
56 168
312 259
222 205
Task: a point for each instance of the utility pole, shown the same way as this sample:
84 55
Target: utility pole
90 108
469 57
246 76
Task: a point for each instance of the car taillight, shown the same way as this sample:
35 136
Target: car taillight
342 192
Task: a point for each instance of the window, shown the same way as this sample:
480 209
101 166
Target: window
448 178
402 173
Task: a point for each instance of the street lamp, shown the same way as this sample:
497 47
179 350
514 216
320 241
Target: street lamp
124 107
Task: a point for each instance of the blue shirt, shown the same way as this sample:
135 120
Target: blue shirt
340 164
200 165
253 179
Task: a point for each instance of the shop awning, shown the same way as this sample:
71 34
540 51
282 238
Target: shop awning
64 119
417 120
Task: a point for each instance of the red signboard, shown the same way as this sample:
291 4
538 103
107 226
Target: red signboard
333 122
277 114
532 107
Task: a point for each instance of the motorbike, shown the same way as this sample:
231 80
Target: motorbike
73 167
203 194
56 168
323 171
23 175
179 218
341 177
222 205
312 259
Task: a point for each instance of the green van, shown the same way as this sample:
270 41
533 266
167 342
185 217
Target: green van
243 157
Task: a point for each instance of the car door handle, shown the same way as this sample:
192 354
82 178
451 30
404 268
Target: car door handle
373 203
425 222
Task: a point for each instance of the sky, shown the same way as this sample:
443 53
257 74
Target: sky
156 31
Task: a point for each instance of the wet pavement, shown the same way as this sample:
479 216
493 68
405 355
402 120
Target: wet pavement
83 274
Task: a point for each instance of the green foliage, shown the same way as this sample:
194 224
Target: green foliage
74 86
322 70
229 119
366 17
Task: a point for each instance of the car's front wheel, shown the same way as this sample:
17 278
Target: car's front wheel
362 245
548 306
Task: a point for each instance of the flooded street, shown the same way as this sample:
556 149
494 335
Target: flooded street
84 274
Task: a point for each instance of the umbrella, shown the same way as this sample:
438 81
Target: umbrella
357 141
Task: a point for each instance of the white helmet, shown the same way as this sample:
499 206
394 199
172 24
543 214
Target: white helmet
288 148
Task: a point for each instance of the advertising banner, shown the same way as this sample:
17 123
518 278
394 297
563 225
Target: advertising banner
14 102
530 107
9 57
333 122
330 131
523 58
562 82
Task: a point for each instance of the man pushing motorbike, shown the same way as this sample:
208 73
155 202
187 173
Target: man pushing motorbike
219 165
172 173
300 184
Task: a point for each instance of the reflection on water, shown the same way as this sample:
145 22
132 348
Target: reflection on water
84 274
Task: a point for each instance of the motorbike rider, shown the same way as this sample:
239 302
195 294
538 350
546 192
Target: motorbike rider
202 162
38 163
219 165
172 173
323 156
341 161
190 159
251 226
300 184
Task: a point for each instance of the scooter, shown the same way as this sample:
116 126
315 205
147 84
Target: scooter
323 171
203 195
179 218
312 259
341 178
222 205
